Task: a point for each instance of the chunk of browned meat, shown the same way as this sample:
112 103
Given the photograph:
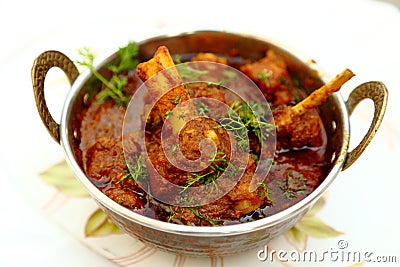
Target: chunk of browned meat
209 57
303 130
243 197
105 160
206 90
241 200
188 143
301 125
126 197
167 86
103 120
211 214
271 75
106 166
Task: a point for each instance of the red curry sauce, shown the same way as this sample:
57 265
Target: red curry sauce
300 161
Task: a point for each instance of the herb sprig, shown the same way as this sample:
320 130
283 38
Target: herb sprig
266 192
115 86
218 165
265 76
136 171
294 185
188 73
202 109
213 222
244 118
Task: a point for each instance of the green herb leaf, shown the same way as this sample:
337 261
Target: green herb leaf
115 87
61 177
294 184
136 170
265 76
202 109
176 100
99 224
127 56
244 118
266 191
229 74
188 73
218 165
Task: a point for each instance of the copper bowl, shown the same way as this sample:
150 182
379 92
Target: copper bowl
194 240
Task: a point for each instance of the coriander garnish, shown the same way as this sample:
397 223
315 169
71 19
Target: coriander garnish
115 86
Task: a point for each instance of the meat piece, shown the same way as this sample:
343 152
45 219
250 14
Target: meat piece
303 130
236 203
271 75
106 166
167 86
301 125
161 60
215 213
103 120
126 197
320 95
206 90
105 160
196 131
188 143
243 198
207 106
209 57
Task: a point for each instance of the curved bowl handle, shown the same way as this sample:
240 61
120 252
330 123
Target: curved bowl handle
41 66
377 92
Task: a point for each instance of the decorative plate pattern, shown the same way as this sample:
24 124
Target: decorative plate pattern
98 231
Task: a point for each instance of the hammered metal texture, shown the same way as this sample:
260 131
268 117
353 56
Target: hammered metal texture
377 92
43 63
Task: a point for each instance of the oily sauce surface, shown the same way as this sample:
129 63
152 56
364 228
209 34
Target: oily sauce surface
300 161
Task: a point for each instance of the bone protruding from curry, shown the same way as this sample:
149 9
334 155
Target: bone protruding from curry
301 159
241 199
286 117
320 95
160 85
315 99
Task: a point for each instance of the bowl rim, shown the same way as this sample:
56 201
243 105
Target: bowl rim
202 231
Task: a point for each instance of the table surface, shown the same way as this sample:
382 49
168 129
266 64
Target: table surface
42 227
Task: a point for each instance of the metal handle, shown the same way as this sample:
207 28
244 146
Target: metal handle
377 92
43 63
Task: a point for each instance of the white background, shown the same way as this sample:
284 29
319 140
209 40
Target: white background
362 35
